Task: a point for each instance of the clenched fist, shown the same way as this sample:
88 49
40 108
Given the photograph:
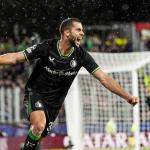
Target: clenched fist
133 100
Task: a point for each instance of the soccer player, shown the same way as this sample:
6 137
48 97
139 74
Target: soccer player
59 61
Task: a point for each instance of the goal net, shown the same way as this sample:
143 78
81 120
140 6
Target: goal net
95 117
99 119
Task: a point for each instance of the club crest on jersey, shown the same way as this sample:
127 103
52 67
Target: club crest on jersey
38 104
73 63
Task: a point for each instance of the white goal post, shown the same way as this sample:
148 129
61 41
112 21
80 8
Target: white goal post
89 106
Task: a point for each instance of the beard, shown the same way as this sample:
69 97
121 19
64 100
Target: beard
73 42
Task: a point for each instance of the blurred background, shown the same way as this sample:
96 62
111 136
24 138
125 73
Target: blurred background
111 27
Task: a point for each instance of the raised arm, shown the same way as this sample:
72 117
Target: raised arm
12 58
114 87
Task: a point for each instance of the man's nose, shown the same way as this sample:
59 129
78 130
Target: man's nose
82 33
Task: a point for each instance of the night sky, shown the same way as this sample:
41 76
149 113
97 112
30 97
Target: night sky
45 15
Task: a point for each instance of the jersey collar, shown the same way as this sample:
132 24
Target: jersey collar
68 54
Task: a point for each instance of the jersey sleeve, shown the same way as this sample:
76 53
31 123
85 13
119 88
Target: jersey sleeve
36 51
89 63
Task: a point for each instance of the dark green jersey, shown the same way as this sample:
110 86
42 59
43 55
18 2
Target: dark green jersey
53 73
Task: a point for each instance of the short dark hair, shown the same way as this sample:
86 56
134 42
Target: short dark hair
67 23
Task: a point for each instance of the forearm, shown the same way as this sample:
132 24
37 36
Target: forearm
111 84
11 58
7 59
114 87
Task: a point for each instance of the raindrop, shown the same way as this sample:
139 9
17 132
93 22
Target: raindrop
125 6
34 20
46 1
2 4
44 18
112 5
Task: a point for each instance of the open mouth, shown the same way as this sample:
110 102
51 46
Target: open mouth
79 39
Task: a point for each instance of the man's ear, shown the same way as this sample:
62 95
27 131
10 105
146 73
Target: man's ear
67 33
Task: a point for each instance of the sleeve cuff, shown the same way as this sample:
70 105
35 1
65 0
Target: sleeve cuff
95 70
25 56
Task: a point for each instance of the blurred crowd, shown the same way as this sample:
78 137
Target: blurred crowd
143 30
13 75
110 41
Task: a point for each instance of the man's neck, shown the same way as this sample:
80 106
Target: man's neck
64 47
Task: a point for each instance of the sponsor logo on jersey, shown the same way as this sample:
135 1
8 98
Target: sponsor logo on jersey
30 49
38 104
73 63
60 73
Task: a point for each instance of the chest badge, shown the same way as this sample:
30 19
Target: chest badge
73 63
